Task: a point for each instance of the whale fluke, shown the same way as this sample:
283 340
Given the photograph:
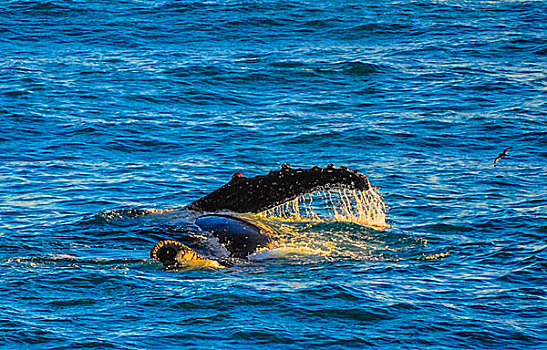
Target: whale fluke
256 194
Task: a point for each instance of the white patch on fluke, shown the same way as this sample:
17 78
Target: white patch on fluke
281 252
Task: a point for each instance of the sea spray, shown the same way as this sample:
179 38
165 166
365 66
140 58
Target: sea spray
366 208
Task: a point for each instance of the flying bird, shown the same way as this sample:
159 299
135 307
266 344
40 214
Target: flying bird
501 155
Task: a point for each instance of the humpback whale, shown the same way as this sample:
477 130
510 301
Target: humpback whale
219 211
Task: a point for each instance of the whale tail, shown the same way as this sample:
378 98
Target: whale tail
175 255
262 192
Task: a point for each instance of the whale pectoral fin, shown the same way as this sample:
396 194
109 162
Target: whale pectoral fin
175 255
244 195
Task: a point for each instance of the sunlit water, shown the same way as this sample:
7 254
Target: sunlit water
117 114
366 208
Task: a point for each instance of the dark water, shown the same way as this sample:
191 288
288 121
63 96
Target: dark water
111 106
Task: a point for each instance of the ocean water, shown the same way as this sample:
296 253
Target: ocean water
117 114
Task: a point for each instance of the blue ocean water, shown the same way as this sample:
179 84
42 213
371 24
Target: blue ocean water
114 112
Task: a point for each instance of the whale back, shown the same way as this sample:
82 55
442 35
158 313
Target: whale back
262 192
239 236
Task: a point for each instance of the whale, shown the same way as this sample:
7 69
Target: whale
219 212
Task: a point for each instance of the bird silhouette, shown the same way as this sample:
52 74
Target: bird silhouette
501 155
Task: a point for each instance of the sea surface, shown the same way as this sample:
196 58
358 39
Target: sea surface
114 115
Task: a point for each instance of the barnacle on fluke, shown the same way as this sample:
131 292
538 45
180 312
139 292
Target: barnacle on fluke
173 255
